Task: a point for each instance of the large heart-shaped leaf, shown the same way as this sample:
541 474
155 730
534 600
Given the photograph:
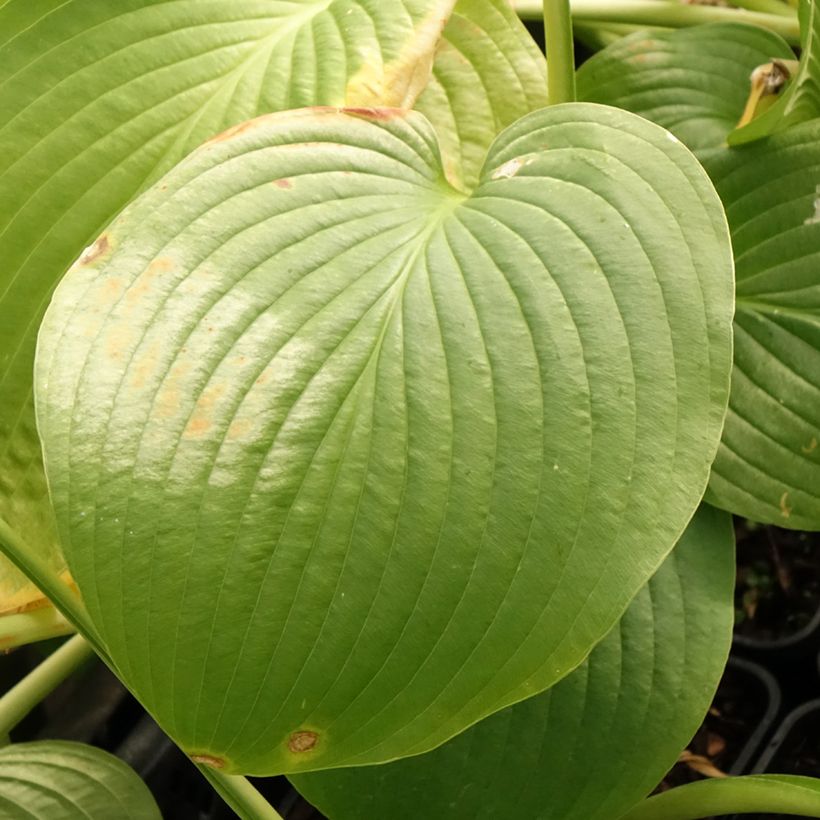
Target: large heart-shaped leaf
695 82
344 459
99 98
598 741
60 780
768 464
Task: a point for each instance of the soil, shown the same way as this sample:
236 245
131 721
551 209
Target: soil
778 581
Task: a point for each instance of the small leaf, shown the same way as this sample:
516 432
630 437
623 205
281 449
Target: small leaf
345 460
768 464
693 81
598 741
61 780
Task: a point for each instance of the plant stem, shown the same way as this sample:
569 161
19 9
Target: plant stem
27 627
26 694
38 571
733 795
674 15
560 52
240 794
766 6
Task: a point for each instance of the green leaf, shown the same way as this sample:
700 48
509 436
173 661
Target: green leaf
61 780
768 464
488 73
776 793
694 81
598 741
101 98
345 460
800 101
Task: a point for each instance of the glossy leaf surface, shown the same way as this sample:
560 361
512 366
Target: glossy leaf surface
694 81
61 780
768 464
345 460
598 741
99 98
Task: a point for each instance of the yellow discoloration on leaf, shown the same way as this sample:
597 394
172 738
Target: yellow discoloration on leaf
145 367
239 429
145 283
29 597
202 418
397 84
785 509
810 447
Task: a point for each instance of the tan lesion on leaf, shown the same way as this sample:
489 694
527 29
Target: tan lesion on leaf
811 446
211 761
785 508
100 247
302 741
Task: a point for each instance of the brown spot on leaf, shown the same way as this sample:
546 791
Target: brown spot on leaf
283 183
209 760
304 741
235 130
95 251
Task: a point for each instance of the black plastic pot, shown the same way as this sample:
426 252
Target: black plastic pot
788 650
795 745
761 686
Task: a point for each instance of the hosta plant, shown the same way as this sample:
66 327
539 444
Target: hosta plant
363 382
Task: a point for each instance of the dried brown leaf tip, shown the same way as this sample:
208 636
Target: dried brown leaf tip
300 742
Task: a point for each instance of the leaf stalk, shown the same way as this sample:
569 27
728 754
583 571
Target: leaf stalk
560 52
26 694
673 15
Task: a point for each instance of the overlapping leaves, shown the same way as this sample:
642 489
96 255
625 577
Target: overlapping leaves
100 98
336 449
768 465
598 741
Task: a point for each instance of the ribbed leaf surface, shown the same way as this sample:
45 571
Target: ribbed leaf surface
59 780
693 81
768 464
345 460
598 741
98 98
488 73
